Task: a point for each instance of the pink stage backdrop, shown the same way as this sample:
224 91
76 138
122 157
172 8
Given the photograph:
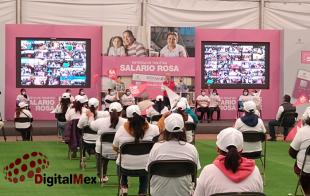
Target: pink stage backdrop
230 97
156 66
43 100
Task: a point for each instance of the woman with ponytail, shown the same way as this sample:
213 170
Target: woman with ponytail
107 124
60 112
135 130
229 172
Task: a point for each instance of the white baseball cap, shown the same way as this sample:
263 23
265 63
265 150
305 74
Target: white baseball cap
159 97
131 110
65 95
229 137
22 104
174 123
80 99
249 105
93 102
182 105
115 106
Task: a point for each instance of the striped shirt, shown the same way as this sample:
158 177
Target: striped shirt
136 49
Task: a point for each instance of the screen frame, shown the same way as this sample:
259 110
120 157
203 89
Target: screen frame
237 86
18 62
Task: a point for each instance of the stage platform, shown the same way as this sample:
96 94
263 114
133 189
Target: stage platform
49 127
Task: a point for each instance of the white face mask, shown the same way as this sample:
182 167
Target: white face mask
23 93
112 93
214 94
203 93
82 93
245 93
128 93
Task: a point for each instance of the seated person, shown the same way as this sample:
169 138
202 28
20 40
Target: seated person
110 98
158 108
23 127
286 106
136 129
297 151
229 172
127 99
202 104
244 98
60 112
215 102
89 139
250 122
104 125
173 147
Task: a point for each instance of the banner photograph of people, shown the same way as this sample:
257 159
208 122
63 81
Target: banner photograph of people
153 42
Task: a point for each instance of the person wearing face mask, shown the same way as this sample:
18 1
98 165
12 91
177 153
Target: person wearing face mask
202 104
244 98
215 102
110 98
22 97
127 99
82 93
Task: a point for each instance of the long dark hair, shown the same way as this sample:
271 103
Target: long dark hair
93 110
138 125
159 105
64 103
114 118
78 106
21 92
232 158
178 136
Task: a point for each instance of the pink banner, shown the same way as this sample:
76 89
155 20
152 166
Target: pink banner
305 57
127 66
270 96
43 100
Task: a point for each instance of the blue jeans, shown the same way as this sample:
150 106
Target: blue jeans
142 179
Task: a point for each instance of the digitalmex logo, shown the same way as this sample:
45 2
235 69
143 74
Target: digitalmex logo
25 167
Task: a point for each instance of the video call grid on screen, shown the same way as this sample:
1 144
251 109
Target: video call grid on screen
55 63
235 64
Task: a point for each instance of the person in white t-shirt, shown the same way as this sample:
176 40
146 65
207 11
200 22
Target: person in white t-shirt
202 104
215 102
127 99
89 139
173 147
22 97
244 98
229 172
172 49
79 107
23 127
298 148
106 125
82 93
110 98
60 112
136 129
257 99
250 122
158 108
